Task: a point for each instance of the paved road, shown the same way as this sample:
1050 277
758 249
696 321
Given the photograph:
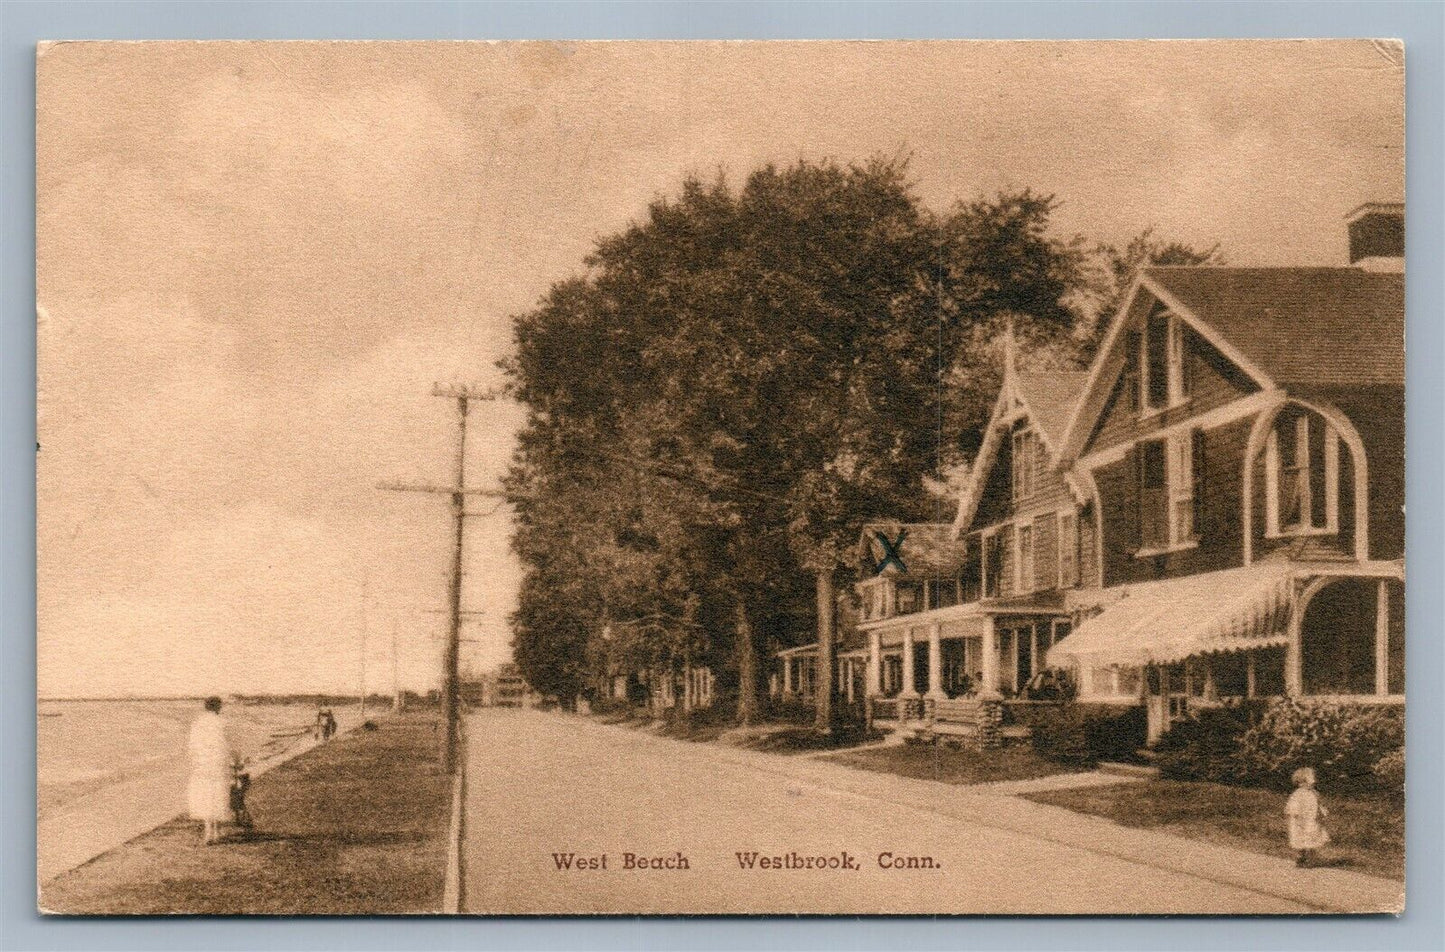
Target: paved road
546 786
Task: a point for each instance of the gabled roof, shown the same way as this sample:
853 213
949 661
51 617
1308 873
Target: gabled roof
1048 398
927 548
1281 326
1321 326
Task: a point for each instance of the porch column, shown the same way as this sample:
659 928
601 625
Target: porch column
989 688
908 689
875 663
787 676
935 662
1293 658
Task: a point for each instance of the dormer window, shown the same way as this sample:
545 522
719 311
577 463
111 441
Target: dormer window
1160 377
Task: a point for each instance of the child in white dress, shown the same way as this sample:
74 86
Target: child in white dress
1304 811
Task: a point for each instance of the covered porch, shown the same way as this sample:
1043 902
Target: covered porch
948 671
1325 630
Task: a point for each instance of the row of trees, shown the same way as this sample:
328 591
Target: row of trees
740 380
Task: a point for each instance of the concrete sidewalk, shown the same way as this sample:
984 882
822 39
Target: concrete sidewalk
1316 889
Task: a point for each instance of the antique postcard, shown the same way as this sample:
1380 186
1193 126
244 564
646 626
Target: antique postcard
752 477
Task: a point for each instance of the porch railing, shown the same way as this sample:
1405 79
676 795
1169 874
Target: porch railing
884 708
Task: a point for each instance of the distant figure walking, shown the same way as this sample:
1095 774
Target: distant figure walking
328 724
209 792
1304 812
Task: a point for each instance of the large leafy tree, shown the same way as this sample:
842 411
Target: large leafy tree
737 383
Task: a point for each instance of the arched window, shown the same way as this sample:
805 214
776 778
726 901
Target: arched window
1302 475
1352 638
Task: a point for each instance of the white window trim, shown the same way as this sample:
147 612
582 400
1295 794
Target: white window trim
1086 684
1023 463
1272 468
1179 480
1066 541
1174 357
983 540
1019 574
1173 493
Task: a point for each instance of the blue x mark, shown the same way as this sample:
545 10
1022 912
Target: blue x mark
890 552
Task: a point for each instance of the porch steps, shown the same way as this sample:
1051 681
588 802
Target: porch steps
1128 770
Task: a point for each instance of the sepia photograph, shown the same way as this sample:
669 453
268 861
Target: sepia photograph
720 478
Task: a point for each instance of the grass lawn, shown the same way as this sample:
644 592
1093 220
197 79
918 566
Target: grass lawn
717 726
358 825
1368 832
937 762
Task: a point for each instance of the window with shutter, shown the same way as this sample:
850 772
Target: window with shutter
1181 383
1068 549
1197 458
1025 464
1181 488
1153 495
992 564
1156 362
1024 562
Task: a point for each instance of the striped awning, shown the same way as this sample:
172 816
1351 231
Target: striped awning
1167 621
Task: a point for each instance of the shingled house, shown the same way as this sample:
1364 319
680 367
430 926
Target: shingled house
1214 511
1241 437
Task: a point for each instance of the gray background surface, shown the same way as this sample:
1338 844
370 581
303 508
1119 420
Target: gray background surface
1421 25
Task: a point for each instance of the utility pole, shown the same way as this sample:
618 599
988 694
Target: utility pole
396 703
458 493
361 678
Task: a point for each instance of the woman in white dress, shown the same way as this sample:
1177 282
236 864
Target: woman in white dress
209 792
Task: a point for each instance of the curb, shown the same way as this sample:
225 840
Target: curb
454 885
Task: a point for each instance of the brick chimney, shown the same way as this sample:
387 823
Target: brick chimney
1377 236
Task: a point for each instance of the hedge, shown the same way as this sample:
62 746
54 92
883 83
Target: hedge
1084 734
1342 742
1345 743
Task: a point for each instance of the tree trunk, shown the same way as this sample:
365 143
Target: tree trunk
824 684
747 669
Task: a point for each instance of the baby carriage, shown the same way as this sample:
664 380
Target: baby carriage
240 783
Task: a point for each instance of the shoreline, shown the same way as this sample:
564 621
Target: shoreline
357 826
113 814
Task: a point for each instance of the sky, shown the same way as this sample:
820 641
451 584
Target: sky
255 260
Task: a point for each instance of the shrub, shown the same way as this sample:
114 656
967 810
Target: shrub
610 705
1389 772
1084 734
1341 741
789 710
1205 747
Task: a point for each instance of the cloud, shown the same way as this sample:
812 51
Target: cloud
254 260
